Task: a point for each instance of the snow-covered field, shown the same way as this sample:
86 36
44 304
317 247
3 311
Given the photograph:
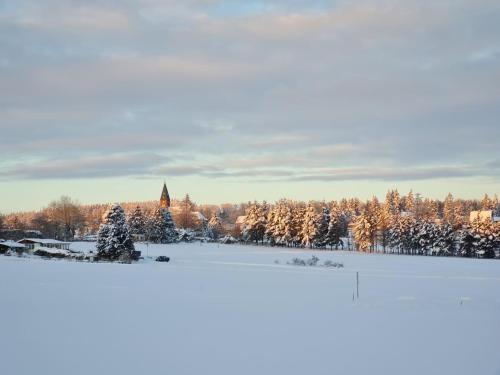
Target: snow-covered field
232 309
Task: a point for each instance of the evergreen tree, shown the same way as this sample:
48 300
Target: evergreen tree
449 209
270 226
215 227
170 232
410 202
487 203
465 242
485 238
363 233
255 223
113 240
161 227
445 240
291 228
137 222
334 234
309 227
298 216
321 239
392 200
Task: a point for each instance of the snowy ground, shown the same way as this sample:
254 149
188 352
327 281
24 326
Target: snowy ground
231 309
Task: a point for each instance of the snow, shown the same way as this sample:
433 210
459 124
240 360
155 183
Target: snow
235 309
51 250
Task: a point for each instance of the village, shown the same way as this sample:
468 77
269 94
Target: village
400 225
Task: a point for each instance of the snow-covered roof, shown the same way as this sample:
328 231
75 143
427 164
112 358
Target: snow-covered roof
51 250
199 216
43 241
12 244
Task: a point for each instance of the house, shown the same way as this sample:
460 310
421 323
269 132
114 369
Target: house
6 246
485 215
34 244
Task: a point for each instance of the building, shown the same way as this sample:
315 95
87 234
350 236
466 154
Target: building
165 198
486 215
12 246
34 244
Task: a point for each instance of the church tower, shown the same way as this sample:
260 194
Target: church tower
165 198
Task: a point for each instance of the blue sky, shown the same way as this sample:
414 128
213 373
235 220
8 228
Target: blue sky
242 100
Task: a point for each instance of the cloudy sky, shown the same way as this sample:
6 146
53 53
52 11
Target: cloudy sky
239 100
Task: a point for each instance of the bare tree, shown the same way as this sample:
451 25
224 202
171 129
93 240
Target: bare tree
66 214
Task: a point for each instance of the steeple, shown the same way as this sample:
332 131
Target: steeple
165 198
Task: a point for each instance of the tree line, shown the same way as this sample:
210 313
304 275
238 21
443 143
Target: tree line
403 225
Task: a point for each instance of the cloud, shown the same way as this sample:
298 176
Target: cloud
297 90
94 166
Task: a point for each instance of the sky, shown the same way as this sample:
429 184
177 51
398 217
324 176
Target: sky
232 101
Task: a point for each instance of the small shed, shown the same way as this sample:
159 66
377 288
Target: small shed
33 244
6 246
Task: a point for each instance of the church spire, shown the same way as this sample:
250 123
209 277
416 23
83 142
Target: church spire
165 198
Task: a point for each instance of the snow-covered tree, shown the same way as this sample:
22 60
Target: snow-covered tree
170 232
449 209
309 226
136 222
363 233
424 237
393 202
465 242
161 227
409 202
445 240
334 234
485 238
321 239
114 240
254 226
215 227
487 203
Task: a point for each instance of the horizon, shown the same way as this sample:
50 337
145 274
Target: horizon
234 101
179 197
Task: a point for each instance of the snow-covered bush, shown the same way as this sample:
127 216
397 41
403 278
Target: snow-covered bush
297 262
313 261
329 263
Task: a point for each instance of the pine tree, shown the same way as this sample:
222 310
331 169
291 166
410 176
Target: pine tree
486 203
363 233
298 217
445 240
449 209
161 227
270 226
334 234
410 202
321 239
465 242
425 237
113 240
291 229
137 222
309 227
170 232
215 227
485 238
255 223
